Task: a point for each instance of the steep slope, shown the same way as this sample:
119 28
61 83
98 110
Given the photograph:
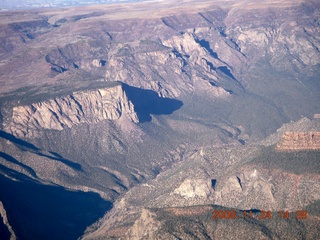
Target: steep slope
102 98
257 178
225 63
196 223
79 107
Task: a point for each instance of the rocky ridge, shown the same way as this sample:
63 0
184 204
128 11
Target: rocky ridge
239 69
240 177
299 141
6 223
64 112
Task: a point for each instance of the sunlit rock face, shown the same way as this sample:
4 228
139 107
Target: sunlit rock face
194 188
65 112
295 141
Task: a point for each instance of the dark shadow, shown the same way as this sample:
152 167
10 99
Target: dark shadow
37 211
230 91
222 31
30 36
88 15
15 161
59 22
147 102
55 67
25 146
103 62
4 231
210 64
239 181
67 162
213 84
166 21
205 18
253 210
17 141
213 183
226 71
55 154
58 69
179 55
205 44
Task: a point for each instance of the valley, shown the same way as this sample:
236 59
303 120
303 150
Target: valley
137 120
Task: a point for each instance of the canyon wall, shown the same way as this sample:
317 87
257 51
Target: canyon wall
89 106
299 141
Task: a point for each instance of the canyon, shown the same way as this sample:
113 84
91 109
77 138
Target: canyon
137 120
80 107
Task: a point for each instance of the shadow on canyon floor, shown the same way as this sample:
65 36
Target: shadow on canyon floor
147 102
38 211
26 146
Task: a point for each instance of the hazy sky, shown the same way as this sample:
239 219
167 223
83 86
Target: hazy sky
11 4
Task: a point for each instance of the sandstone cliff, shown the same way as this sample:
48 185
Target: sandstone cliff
299 141
90 106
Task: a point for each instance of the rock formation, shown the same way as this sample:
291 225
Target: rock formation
194 188
4 217
64 112
145 227
296 141
206 81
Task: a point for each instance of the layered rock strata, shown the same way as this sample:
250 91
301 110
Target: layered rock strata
90 106
299 141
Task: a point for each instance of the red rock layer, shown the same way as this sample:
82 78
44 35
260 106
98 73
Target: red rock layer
299 141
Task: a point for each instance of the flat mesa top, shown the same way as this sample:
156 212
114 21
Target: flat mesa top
152 9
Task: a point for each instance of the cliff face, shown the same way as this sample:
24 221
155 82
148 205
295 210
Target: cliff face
184 64
5 227
64 112
239 69
299 141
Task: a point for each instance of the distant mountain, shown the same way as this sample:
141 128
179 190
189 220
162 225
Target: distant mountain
27 4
